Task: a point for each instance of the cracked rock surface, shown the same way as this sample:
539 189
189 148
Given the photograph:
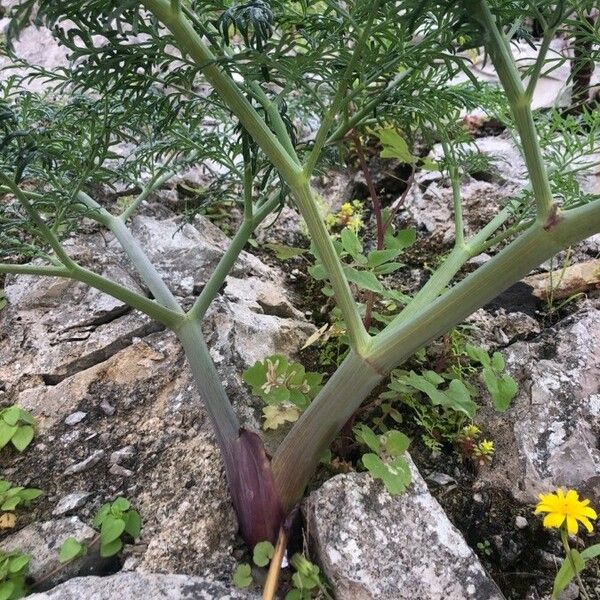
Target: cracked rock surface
549 437
372 545
68 350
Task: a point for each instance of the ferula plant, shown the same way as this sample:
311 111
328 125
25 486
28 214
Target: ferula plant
272 93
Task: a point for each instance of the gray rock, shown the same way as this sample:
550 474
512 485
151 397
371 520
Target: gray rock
75 418
372 545
145 586
71 502
122 455
91 461
500 327
38 47
120 471
43 541
549 437
142 376
107 408
521 522
185 255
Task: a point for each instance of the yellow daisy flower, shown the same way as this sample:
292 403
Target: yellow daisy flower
566 509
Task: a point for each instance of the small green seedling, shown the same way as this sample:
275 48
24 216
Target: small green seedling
284 386
262 555
386 461
16 427
114 519
306 580
454 395
501 386
13 496
242 576
13 572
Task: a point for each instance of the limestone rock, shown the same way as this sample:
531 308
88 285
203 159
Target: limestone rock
138 586
372 545
186 254
43 541
137 392
549 437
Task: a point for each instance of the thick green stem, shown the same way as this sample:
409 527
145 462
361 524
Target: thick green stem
357 334
295 460
520 104
47 271
191 43
154 310
152 186
209 386
298 455
138 257
213 285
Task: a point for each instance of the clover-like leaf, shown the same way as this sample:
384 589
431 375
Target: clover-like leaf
70 549
263 553
276 415
22 437
242 577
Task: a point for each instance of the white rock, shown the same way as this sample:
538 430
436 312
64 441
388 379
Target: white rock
373 546
75 418
71 502
43 541
146 586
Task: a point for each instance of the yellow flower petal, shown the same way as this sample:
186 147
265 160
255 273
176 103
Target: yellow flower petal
587 524
589 512
572 526
572 496
553 520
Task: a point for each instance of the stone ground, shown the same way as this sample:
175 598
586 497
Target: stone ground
117 414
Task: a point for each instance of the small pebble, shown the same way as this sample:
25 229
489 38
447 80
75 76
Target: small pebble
75 418
441 478
478 497
86 464
107 408
122 455
70 503
521 522
120 471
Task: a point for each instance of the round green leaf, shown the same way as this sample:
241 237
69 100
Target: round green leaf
111 548
6 590
70 549
18 563
242 577
11 415
121 504
111 530
133 523
22 437
263 553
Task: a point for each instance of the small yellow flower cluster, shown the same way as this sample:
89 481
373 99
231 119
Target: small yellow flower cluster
484 451
565 510
350 216
470 431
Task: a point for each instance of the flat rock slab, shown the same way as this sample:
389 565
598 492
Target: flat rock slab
144 586
549 436
373 546
43 541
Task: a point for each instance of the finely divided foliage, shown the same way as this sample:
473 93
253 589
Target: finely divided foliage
265 95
